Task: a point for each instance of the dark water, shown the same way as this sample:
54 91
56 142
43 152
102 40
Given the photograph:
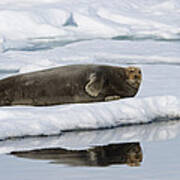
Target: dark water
143 38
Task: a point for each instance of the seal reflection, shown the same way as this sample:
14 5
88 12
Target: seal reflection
125 153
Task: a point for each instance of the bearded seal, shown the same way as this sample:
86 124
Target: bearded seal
70 84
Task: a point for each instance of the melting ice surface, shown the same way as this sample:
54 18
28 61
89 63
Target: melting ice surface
36 35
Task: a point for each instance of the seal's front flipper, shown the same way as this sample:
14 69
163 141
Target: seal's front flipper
95 85
112 98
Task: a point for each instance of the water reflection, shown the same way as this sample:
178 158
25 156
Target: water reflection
125 153
161 131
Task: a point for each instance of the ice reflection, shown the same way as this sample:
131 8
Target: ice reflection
86 139
125 153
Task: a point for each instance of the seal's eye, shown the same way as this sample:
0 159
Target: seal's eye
139 72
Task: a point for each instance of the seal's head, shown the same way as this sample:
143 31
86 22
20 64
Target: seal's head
134 76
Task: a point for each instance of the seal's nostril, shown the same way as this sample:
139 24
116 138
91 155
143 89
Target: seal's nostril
136 77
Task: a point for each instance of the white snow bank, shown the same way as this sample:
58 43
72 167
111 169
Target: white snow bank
22 20
22 121
33 34
22 24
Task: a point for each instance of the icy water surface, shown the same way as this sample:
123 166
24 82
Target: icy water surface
144 151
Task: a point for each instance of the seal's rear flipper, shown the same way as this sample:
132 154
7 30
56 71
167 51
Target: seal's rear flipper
95 85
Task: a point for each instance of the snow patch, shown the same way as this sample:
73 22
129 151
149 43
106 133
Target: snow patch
22 121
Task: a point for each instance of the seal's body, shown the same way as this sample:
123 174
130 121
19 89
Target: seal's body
70 84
